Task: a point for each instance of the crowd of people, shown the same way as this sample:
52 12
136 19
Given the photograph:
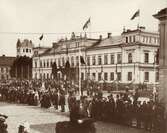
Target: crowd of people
33 93
121 108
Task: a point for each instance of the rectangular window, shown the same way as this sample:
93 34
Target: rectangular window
112 58
130 58
93 76
43 63
119 58
88 75
35 75
126 39
112 76
105 59
143 39
40 63
129 76
119 76
146 76
47 63
72 61
93 60
150 39
82 76
7 70
26 50
51 63
35 64
77 60
2 70
155 40
146 39
146 57
88 60
157 77
99 60
105 76
99 76
40 75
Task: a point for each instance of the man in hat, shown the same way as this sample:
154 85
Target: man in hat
3 125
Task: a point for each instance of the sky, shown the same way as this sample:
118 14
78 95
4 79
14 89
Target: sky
57 19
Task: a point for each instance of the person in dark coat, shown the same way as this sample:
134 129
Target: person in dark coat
46 101
55 99
62 101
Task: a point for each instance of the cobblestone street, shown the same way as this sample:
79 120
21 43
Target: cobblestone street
43 120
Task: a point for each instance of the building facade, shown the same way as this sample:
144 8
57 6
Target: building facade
5 67
128 58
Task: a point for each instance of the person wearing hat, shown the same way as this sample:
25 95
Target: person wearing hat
3 125
24 127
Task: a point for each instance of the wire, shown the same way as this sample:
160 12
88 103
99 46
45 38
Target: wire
51 33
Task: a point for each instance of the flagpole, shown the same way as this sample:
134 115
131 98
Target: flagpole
90 28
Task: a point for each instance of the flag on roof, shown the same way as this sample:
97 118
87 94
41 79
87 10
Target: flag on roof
136 14
41 37
86 24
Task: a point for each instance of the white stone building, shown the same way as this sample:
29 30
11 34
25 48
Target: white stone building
127 58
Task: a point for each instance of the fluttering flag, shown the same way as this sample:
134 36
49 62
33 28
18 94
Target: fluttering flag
82 60
136 14
86 24
41 37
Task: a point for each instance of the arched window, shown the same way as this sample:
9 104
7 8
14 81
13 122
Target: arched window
130 58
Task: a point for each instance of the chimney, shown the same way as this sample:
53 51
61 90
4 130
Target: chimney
108 35
100 37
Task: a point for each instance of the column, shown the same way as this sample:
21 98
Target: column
162 17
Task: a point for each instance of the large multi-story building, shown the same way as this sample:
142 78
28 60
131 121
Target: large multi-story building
130 57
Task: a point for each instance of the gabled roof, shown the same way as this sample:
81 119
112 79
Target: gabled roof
111 41
61 46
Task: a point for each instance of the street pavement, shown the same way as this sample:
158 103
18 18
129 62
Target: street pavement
44 120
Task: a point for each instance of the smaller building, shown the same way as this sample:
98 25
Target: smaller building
5 65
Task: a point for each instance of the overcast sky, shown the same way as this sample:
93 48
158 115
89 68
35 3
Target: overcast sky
66 16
